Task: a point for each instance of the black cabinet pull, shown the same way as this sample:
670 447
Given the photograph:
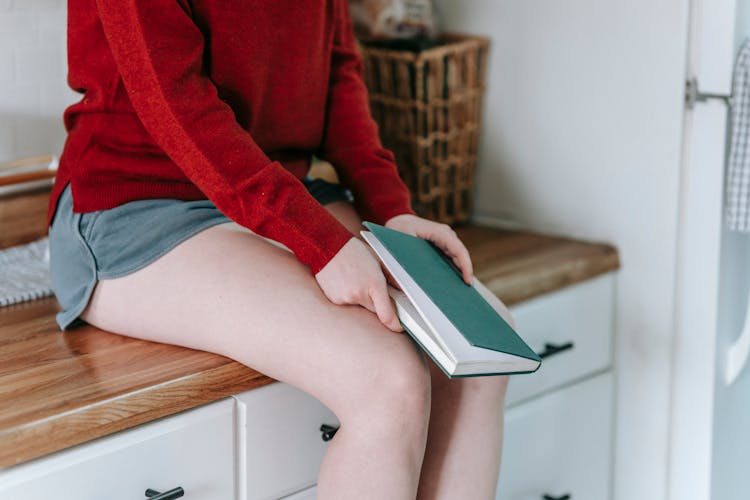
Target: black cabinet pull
552 349
550 497
328 431
167 495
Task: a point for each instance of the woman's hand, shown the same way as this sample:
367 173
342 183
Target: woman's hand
353 276
441 235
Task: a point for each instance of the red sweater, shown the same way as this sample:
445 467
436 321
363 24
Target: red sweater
196 99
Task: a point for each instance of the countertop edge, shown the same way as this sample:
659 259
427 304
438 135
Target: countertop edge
557 278
125 411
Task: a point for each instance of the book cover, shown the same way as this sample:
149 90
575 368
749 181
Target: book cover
461 304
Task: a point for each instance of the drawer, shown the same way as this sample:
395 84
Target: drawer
306 494
581 314
560 444
281 446
193 449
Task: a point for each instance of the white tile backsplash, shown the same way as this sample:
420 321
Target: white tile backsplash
33 72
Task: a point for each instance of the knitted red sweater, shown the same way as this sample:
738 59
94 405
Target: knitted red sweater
195 99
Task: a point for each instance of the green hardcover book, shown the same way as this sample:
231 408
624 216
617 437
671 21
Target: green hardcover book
461 327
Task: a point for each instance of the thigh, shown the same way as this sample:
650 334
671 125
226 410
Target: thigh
345 213
233 293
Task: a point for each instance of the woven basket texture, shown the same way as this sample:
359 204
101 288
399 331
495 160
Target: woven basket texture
428 107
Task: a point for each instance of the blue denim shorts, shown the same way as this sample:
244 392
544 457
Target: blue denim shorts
105 244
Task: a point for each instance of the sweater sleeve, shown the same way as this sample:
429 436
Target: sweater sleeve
158 50
351 143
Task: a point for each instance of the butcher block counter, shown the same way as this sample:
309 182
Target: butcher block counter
61 389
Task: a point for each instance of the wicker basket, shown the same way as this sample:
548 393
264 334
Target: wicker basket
428 107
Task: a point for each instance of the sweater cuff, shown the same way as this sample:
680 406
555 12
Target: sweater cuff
334 242
276 205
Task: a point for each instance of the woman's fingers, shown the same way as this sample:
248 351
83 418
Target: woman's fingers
441 235
353 276
445 238
461 258
367 304
384 308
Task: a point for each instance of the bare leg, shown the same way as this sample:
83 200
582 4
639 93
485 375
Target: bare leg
464 443
233 293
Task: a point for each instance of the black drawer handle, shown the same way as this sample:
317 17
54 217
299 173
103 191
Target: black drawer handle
551 350
328 431
167 495
550 497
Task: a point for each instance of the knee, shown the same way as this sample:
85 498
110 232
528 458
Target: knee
403 385
399 393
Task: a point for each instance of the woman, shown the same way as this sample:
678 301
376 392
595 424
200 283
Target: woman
178 216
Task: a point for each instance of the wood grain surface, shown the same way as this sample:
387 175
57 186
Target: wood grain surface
519 265
61 389
23 217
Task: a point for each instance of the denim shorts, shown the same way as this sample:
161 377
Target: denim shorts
86 247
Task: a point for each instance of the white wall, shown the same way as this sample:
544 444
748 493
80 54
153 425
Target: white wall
582 136
33 92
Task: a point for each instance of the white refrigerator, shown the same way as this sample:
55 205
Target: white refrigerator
710 410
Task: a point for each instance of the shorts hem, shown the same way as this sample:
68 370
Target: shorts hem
67 317
163 250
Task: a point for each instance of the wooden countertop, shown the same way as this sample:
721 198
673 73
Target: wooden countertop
61 389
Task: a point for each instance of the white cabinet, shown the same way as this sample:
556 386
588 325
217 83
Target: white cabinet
559 422
281 445
193 450
577 320
306 494
560 444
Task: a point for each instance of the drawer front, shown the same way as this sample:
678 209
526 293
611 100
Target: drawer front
193 450
581 315
560 444
281 446
306 494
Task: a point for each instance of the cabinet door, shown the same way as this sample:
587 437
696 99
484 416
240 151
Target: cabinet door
280 442
560 444
578 319
193 450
